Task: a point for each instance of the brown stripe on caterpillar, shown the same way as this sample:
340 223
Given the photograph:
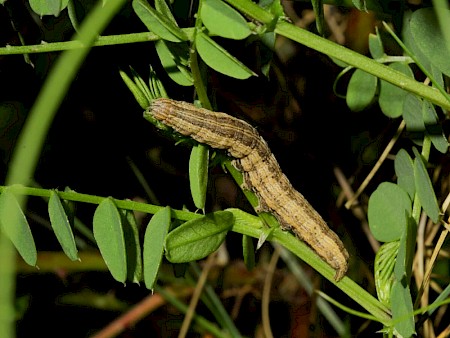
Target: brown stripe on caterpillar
262 173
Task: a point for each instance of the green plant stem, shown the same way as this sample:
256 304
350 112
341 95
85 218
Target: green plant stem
341 53
32 137
359 61
77 44
92 199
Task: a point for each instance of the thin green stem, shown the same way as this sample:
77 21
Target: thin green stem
352 58
92 199
77 44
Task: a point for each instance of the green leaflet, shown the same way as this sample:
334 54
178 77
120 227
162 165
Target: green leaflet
425 191
248 250
318 11
154 239
174 58
158 23
402 310
433 127
14 225
198 238
392 98
219 59
376 46
48 7
404 169
61 226
132 246
108 233
412 114
198 174
137 92
361 90
388 212
223 20
384 271
428 37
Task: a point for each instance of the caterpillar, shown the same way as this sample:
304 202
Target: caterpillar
261 171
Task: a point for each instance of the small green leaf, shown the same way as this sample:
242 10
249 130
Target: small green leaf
425 190
392 98
402 310
154 239
389 212
198 238
361 90
248 251
376 46
171 56
158 23
412 114
14 225
405 254
198 174
61 226
404 169
223 20
132 246
384 271
219 59
433 128
108 233
162 7
138 94
428 37
48 7
318 12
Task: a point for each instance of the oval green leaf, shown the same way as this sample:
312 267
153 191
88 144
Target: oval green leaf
48 7
198 238
402 310
154 239
219 59
132 246
429 39
108 233
157 23
223 20
389 212
391 97
248 250
376 46
412 114
170 55
198 174
361 90
433 127
384 271
404 169
425 190
61 226
14 225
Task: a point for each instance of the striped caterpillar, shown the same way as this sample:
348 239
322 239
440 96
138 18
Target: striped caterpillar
261 171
